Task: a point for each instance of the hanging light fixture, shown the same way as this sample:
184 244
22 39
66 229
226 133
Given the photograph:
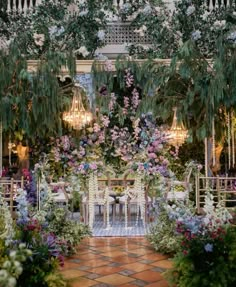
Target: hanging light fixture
177 133
78 117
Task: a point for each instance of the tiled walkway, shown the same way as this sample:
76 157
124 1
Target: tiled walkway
116 261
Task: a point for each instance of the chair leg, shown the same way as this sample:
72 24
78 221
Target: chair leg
113 212
104 214
129 213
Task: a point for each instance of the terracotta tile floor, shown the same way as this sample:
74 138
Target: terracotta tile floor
116 261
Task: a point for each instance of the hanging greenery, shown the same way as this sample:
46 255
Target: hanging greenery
201 88
32 102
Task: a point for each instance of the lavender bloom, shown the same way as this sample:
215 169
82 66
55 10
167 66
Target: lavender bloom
22 206
208 247
101 35
147 9
196 35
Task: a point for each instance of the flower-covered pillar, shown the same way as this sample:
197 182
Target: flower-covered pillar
91 198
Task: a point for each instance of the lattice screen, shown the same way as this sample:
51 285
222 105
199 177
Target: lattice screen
120 33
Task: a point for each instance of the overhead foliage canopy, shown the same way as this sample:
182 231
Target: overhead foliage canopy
202 89
66 25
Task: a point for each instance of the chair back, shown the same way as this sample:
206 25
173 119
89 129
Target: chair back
134 187
8 189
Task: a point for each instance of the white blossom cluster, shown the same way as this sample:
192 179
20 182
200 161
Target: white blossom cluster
12 267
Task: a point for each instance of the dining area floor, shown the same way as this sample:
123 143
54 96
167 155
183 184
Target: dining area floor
116 261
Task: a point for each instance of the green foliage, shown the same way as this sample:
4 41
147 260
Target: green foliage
11 262
162 236
75 201
200 268
67 230
169 30
32 102
51 26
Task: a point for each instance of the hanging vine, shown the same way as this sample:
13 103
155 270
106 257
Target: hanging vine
32 102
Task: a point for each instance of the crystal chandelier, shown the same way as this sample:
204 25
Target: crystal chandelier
78 117
177 133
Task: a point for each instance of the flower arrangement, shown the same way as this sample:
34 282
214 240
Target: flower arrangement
207 255
86 168
11 263
162 235
34 248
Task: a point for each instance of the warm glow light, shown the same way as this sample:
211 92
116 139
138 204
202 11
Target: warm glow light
77 117
177 132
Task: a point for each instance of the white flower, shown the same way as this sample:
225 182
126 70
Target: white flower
166 24
83 51
6 264
205 15
3 274
232 36
39 39
147 9
219 24
83 13
55 31
145 47
157 9
22 245
101 35
144 28
12 282
100 56
108 65
13 254
196 35
126 7
234 13
141 31
191 9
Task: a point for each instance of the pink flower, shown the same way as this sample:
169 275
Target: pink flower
96 128
105 121
93 166
129 78
126 102
112 102
199 167
108 66
135 99
150 149
140 167
152 155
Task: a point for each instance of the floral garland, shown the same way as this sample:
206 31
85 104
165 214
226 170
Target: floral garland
137 193
96 196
